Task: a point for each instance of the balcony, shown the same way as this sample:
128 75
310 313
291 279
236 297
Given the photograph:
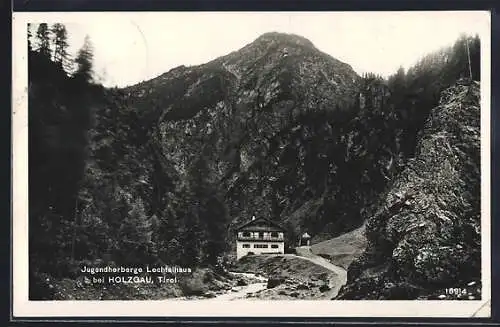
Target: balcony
261 238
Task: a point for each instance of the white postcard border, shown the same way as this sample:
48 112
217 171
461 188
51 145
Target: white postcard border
22 307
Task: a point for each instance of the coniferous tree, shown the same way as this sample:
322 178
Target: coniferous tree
167 236
43 36
136 234
192 234
291 236
84 61
217 221
29 37
60 44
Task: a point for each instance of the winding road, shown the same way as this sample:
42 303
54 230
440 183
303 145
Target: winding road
303 253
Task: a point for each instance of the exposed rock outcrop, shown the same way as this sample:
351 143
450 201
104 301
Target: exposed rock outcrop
425 235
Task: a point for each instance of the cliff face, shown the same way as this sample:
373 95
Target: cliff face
425 234
272 121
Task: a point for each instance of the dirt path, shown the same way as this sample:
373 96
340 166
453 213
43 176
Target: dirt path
336 281
304 252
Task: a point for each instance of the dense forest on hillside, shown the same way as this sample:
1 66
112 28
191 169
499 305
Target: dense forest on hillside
89 175
120 176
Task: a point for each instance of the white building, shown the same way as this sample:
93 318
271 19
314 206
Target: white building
259 236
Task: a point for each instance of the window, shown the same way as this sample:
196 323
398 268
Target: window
246 234
261 234
274 234
246 246
274 246
260 246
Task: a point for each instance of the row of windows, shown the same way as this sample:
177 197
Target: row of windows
261 234
260 246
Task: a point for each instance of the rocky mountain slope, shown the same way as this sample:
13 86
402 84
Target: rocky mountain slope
425 234
272 124
277 129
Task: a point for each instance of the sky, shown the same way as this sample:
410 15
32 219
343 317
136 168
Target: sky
133 47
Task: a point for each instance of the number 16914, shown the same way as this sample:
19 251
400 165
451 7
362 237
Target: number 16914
456 291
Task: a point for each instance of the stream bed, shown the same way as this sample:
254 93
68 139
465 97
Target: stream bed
258 283
240 292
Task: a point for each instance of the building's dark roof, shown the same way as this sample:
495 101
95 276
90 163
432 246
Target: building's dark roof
261 228
256 225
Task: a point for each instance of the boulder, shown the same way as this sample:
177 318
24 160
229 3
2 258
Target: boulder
241 282
209 295
323 288
275 281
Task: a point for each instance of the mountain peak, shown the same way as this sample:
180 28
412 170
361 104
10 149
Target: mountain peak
284 38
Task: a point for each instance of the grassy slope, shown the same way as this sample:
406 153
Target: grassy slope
342 250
